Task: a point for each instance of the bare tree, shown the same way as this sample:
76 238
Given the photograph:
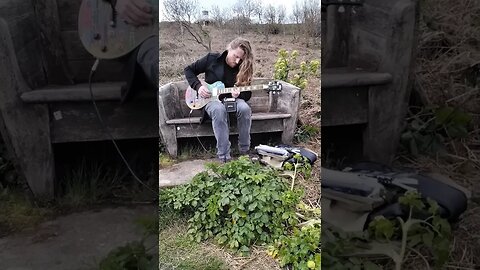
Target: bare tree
258 11
258 14
297 18
181 10
244 10
297 13
184 12
270 14
217 16
311 19
270 17
281 13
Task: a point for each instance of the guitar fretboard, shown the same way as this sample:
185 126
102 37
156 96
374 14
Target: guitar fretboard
242 88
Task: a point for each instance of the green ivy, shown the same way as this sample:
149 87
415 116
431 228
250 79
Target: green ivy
305 132
423 230
300 165
301 249
429 129
238 204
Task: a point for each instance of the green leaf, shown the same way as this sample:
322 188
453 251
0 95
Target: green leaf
414 240
244 249
442 115
427 238
383 227
222 239
252 206
369 265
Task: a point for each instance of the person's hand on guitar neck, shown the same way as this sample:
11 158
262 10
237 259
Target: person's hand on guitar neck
135 12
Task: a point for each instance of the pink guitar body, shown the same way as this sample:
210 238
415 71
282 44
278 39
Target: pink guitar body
105 35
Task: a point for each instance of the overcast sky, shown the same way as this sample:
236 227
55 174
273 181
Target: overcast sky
207 4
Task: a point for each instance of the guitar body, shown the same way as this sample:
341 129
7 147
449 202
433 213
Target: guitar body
195 101
105 35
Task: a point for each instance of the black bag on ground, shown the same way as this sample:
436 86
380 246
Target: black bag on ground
371 189
304 152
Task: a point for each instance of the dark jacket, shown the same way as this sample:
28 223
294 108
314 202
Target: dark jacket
215 69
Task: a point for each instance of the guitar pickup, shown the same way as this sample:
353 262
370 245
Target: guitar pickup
343 2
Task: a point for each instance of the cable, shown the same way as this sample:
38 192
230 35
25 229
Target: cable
196 135
102 123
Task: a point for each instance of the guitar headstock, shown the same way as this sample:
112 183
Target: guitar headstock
274 86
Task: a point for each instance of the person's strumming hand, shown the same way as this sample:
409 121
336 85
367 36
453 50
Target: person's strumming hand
135 12
203 92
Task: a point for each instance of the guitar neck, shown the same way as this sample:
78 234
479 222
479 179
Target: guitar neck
241 88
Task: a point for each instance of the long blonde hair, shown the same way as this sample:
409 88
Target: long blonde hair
245 74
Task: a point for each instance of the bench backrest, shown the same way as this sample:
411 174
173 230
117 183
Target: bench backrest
21 22
47 45
361 35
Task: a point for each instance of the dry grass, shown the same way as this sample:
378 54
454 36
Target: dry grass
177 51
257 260
309 115
178 252
448 74
449 53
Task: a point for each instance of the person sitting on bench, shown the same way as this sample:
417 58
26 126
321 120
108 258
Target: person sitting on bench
233 67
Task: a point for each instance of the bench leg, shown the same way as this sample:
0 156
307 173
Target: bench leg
25 128
169 138
172 147
26 134
288 130
293 107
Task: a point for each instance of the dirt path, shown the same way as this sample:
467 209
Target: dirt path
77 241
181 173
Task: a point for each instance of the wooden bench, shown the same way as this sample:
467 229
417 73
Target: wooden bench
270 113
368 48
44 95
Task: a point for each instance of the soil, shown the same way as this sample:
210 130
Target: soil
76 241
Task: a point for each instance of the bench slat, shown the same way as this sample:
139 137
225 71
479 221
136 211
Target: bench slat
268 116
77 92
332 78
255 117
261 126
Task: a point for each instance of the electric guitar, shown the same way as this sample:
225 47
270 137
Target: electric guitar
105 35
195 101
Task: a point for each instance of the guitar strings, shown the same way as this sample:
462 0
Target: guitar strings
102 124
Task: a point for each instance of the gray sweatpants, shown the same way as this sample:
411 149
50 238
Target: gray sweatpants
217 112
